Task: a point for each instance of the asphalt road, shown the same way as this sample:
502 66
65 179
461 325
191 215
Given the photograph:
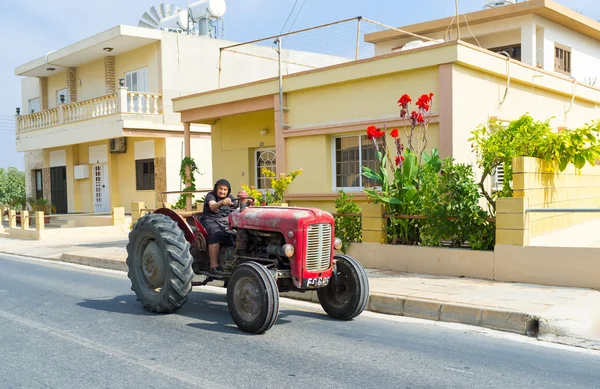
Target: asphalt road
72 327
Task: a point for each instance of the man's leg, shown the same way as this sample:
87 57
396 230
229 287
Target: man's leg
213 254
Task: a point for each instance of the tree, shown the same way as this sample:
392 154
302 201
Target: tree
12 184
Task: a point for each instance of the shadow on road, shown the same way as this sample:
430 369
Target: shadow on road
209 308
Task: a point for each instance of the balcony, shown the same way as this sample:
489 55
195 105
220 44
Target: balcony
99 118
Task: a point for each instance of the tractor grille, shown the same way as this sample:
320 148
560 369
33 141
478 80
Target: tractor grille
318 247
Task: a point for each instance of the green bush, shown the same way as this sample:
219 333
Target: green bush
347 228
451 204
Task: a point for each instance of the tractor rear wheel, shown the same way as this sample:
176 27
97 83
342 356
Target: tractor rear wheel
347 297
253 298
160 263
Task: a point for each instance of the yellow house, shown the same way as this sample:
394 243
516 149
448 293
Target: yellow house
97 126
546 52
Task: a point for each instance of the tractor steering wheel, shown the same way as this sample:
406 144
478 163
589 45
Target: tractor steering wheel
237 200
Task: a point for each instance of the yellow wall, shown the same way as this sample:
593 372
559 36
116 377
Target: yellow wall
56 83
360 99
90 80
546 187
147 56
316 164
233 140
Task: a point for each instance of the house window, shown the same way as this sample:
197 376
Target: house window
513 50
137 81
65 92
264 159
144 174
352 152
39 184
34 105
562 59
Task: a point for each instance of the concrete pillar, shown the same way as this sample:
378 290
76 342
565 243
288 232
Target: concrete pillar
25 220
118 216
138 209
72 84
374 225
109 75
528 42
12 218
512 221
39 221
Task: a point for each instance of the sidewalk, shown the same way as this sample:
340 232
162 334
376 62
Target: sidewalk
562 315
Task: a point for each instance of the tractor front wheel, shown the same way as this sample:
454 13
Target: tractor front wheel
347 294
160 263
253 298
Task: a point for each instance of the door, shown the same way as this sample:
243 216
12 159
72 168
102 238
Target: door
58 188
100 187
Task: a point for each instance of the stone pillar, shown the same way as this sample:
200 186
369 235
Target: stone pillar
374 225
160 179
46 187
39 221
12 218
187 153
25 220
138 209
512 221
109 75
72 84
118 216
44 93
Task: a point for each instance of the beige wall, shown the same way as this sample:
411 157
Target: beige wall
30 89
56 83
368 98
148 56
90 80
233 140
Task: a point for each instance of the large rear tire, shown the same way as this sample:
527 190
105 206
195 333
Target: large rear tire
160 263
253 298
348 297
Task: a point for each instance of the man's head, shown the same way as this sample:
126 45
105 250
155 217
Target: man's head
222 188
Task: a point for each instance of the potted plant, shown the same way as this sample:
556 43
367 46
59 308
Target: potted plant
19 203
42 205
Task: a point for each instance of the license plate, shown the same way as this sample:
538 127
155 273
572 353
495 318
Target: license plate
317 282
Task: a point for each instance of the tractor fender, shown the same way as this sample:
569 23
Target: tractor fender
187 231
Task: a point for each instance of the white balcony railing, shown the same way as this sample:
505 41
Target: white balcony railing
122 102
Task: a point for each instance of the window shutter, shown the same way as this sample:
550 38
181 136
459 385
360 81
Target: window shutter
498 178
139 175
128 83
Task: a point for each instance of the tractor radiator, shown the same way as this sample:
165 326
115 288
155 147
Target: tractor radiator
318 247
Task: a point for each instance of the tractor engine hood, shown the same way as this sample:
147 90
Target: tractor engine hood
278 218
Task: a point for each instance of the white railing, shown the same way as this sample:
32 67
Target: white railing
122 102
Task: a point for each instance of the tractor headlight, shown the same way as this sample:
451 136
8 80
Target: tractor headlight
288 250
337 243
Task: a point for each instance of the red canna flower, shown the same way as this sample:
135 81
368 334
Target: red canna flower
398 160
402 158
404 100
413 116
372 132
424 102
420 119
394 133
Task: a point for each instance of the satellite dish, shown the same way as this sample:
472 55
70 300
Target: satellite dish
205 9
164 16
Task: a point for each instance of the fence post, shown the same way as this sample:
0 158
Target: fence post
122 100
39 221
374 225
118 216
25 220
138 209
12 218
512 221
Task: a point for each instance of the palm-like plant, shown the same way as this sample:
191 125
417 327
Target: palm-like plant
41 205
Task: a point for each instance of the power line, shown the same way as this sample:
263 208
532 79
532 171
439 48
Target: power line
288 18
300 10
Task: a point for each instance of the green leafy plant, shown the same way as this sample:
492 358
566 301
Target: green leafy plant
496 145
41 205
185 163
347 228
12 184
451 205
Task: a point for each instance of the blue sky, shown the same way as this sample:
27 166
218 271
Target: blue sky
31 28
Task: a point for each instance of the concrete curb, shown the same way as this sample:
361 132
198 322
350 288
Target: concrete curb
498 319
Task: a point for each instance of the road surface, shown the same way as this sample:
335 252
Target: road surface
66 326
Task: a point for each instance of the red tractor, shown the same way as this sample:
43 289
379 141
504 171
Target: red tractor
273 250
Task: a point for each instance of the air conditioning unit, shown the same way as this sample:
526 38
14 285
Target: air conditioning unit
118 145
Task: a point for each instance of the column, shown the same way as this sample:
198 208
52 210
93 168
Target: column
528 42
187 153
